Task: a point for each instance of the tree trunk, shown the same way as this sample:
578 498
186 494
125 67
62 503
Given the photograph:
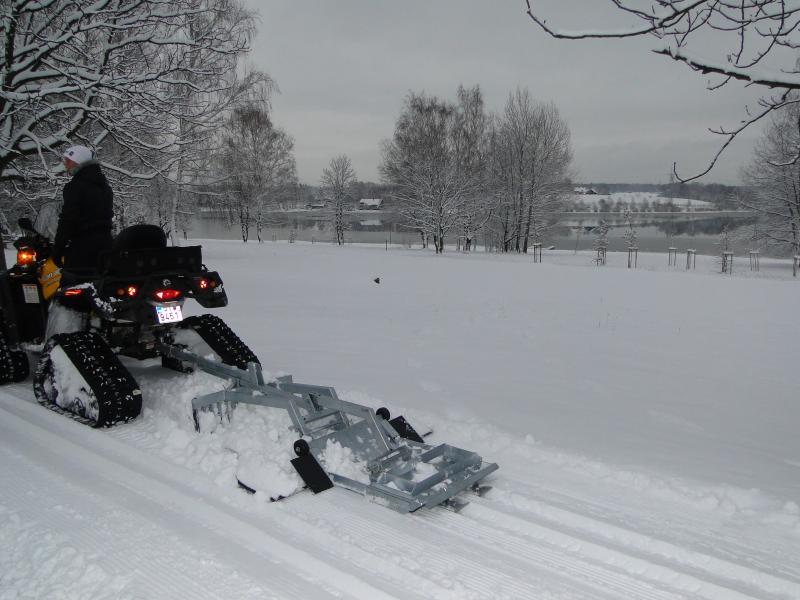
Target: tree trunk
176 198
528 220
506 232
244 221
340 224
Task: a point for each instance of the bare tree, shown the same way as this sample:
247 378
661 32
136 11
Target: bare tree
774 177
336 182
471 146
258 164
756 43
532 158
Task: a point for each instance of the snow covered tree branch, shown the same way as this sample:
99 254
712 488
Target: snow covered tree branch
435 163
774 177
755 41
141 76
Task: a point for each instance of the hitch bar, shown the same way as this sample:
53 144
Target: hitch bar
401 473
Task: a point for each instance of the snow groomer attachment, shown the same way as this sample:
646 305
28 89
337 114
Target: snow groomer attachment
390 464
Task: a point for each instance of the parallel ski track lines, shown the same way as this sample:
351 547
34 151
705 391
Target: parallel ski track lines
583 551
490 566
564 519
144 484
616 583
402 541
622 561
715 544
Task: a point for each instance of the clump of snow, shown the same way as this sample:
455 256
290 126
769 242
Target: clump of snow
267 475
61 319
72 391
335 458
423 470
254 447
194 343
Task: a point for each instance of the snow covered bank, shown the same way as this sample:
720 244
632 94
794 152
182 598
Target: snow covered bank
647 201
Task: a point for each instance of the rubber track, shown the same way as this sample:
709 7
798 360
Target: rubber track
13 363
221 339
117 392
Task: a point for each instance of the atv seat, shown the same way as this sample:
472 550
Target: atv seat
137 237
148 261
142 250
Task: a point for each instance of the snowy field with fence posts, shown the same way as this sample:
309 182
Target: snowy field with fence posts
644 420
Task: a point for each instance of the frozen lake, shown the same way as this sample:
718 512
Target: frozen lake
656 232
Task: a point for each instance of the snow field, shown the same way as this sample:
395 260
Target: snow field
644 423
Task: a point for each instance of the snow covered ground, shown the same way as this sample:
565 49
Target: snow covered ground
645 424
640 199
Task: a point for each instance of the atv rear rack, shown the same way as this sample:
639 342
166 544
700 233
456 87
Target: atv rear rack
399 469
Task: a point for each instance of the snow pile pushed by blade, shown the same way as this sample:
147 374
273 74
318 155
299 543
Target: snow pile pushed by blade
318 415
255 447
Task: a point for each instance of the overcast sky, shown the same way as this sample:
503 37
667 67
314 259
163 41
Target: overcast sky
344 67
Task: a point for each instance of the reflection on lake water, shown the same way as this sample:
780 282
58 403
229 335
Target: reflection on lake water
655 233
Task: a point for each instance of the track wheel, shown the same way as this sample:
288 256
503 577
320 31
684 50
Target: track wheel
80 374
301 448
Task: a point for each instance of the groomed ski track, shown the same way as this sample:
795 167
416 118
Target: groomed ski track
122 523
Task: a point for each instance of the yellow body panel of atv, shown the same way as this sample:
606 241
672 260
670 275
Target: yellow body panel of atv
49 278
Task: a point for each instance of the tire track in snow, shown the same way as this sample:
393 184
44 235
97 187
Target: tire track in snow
617 582
437 570
725 546
565 519
501 568
665 577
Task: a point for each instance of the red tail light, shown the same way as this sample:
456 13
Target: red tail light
129 291
167 294
73 292
25 256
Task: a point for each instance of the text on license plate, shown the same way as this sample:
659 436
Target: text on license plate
169 314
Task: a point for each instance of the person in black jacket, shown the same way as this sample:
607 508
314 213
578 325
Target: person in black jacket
84 226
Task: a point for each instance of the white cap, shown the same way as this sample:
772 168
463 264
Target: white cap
78 154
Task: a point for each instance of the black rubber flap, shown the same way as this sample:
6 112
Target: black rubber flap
405 430
312 474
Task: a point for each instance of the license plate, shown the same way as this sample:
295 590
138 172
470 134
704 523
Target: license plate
31 293
169 314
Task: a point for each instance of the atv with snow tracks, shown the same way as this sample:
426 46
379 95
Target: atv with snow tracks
81 323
